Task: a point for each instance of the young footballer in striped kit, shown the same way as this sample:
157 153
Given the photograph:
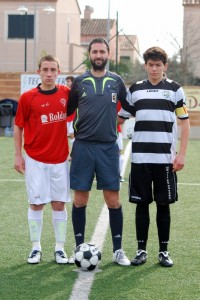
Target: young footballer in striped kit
156 103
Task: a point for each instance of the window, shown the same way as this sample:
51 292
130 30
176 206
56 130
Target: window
20 25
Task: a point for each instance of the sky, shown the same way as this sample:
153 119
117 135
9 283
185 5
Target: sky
155 22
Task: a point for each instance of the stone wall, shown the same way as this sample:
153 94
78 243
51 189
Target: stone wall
10 85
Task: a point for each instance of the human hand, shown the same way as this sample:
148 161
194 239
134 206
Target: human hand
179 162
19 164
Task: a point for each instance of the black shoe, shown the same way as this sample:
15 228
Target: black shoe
164 259
141 258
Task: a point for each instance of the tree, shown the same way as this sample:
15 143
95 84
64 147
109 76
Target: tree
181 65
179 71
132 72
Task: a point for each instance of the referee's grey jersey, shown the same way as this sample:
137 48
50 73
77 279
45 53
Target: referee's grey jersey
95 100
156 110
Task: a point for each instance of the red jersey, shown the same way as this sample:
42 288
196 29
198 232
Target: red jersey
119 128
71 118
42 114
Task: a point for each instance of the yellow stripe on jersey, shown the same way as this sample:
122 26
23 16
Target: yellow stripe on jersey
182 111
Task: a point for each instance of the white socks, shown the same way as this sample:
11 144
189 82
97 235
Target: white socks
60 228
35 221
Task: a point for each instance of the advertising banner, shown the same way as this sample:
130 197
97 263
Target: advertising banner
30 81
193 98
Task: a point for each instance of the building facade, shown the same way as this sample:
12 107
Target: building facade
121 46
191 36
32 28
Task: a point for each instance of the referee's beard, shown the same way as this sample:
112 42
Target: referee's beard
99 67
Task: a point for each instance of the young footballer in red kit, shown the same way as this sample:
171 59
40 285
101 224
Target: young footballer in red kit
40 124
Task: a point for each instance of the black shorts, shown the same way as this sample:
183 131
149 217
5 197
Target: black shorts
90 159
152 182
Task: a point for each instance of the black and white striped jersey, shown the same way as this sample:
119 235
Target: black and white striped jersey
156 108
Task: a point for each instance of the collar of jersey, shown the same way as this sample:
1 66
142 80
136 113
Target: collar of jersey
50 92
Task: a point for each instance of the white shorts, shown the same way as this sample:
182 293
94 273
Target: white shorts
120 141
46 182
70 128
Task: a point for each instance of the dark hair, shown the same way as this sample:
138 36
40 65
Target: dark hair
98 41
48 58
155 53
70 78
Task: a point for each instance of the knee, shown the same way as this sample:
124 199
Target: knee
163 209
58 205
80 199
113 201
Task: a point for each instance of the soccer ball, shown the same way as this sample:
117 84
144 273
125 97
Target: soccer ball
87 256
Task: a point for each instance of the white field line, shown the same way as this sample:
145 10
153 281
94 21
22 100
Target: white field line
179 183
82 285
188 184
84 281
12 180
